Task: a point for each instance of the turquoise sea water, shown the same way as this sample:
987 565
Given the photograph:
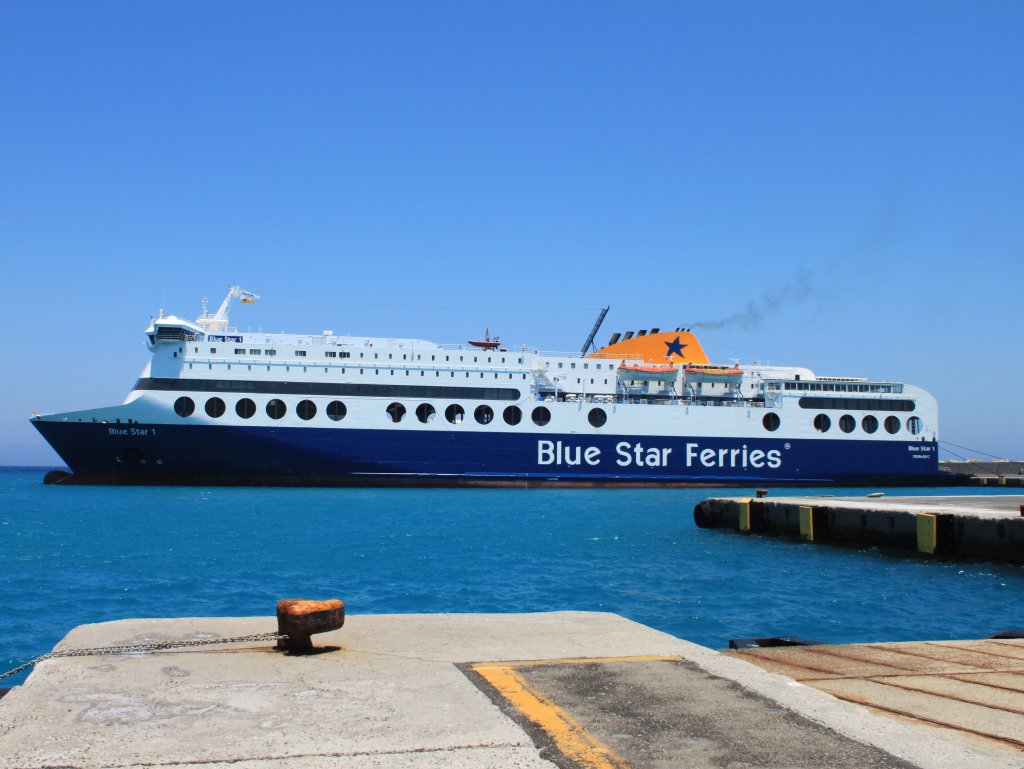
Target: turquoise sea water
72 555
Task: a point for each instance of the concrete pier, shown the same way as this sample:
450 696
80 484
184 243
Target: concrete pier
996 473
976 527
566 689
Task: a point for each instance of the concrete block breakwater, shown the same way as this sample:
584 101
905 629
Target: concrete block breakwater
982 527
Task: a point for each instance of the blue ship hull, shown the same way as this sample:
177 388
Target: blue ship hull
141 454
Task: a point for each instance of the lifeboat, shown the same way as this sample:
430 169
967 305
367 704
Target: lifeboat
486 343
646 372
712 374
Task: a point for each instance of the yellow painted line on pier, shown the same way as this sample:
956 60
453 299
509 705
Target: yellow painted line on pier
571 661
569 736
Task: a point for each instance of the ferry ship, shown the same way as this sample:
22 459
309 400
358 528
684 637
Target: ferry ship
218 406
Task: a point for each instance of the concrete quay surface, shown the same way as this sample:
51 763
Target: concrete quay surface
566 689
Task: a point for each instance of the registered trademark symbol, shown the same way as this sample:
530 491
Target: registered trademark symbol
785 445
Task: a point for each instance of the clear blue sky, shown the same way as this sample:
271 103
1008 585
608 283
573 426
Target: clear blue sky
843 183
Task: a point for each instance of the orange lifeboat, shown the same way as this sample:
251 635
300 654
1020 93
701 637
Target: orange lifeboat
712 374
646 372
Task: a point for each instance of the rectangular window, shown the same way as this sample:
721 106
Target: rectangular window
346 355
213 350
271 352
255 352
300 353
239 351
330 354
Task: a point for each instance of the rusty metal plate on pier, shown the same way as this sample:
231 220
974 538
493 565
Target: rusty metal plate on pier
973 687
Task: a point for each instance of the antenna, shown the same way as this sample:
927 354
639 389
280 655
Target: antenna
593 332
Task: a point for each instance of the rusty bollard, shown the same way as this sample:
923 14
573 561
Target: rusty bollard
299 619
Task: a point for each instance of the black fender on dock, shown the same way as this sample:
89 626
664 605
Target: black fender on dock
768 643
716 514
1009 634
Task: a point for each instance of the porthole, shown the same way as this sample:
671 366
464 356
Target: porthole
215 407
771 421
541 416
892 425
395 412
184 406
455 414
425 413
245 408
483 414
847 423
336 411
597 417
822 423
276 408
513 415
914 425
869 424
305 409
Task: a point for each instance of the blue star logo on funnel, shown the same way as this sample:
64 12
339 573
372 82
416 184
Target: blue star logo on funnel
675 347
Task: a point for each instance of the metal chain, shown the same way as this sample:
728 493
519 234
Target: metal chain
147 647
